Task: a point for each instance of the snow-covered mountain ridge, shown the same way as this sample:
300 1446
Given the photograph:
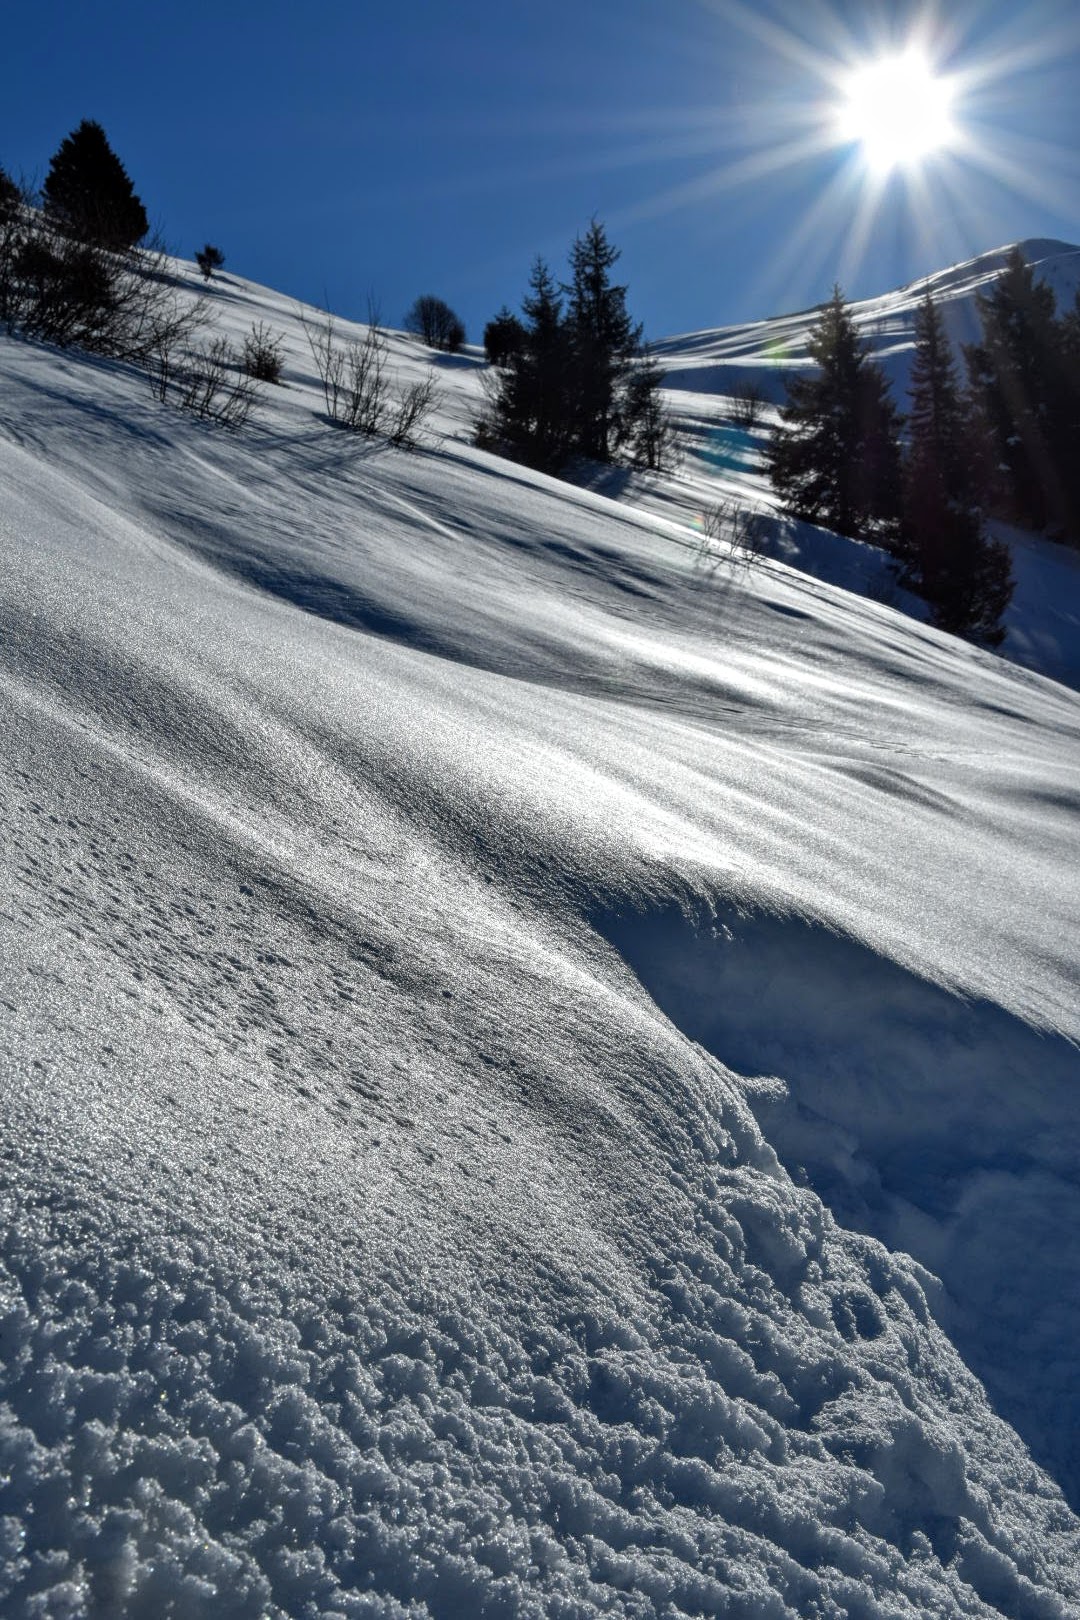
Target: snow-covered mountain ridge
536 1082
763 351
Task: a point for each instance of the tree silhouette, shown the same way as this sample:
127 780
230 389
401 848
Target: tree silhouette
946 554
603 342
572 379
834 456
503 337
88 194
435 323
209 258
1011 371
530 413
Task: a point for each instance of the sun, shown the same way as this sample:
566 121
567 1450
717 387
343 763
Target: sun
898 110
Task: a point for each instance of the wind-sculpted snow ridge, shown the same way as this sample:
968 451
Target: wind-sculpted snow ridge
378 1239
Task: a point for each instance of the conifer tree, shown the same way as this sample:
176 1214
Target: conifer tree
87 191
10 196
604 341
834 457
646 429
530 415
1067 420
947 556
573 380
1015 375
209 258
503 337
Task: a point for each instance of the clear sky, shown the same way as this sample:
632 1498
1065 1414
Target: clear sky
345 149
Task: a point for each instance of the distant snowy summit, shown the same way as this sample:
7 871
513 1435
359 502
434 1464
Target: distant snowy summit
715 360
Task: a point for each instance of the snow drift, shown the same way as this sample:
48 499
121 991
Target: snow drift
534 1083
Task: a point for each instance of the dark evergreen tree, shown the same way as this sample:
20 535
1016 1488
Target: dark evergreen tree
530 414
10 196
209 258
1016 382
947 555
1065 422
87 191
604 342
573 381
503 337
834 457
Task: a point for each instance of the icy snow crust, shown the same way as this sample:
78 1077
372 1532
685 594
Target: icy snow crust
533 1079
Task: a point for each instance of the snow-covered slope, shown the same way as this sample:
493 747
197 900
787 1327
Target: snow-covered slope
534 1083
711 362
723 461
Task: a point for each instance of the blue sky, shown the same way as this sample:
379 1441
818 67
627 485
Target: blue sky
343 150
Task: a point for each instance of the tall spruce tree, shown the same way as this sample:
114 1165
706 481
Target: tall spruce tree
88 194
1015 378
834 456
947 555
530 414
604 341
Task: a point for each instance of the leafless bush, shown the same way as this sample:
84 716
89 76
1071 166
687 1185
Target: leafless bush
414 405
435 324
214 387
365 399
352 374
261 355
329 356
356 387
208 381
80 294
747 404
732 532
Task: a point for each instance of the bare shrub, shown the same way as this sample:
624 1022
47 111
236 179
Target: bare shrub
356 387
261 355
365 397
213 386
328 355
748 403
732 532
209 381
82 294
414 405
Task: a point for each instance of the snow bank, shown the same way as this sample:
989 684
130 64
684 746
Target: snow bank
943 1126
377 1239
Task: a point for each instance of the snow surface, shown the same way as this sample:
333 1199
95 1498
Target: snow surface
703 369
538 1079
